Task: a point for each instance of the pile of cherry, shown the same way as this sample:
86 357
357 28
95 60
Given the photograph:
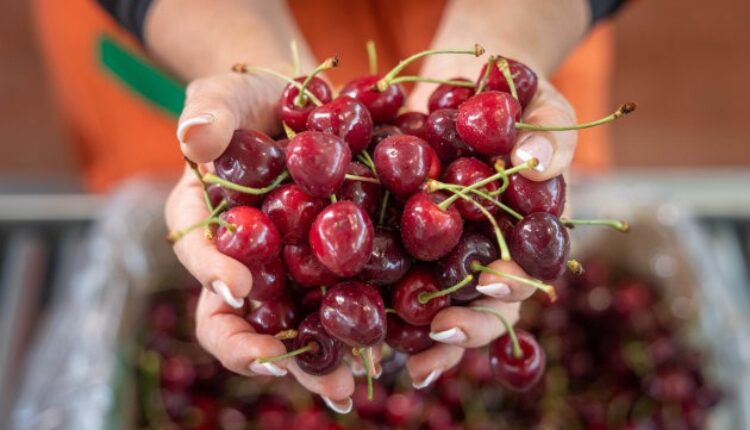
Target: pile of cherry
382 219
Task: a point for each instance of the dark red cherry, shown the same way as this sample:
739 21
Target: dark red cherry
354 313
411 123
380 132
427 231
524 79
487 122
454 267
388 260
631 297
326 353
540 245
269 280
311 299
317 162
178 373
215 194
346 118
341 238
366 195
527 196
254 238
448 96
403 163
467 171
369 409
405 337
405 297
305 269
275 316
252 159
517 374
293 211
441 134
383 106
296 116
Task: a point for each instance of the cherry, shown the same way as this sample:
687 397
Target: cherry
251 237
294 115
215 194
275 316
405 337
403 163
341 238
467 171
487 122
440 133
403 410
162 317
292 211
524 79
326 354
317 162
354 313
269 280
251 159
448 96
411 123
366 408
527 196
178 373
305 268
380 132
429 232
388 260
346 118
631 297
540 245
366 195
455 266
517 370
408 304
383 105
311 299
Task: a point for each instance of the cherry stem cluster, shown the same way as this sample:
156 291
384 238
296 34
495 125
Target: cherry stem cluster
546 288
383 84
425 297
301 100
517 352
312 346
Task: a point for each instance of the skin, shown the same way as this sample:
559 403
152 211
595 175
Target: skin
537 32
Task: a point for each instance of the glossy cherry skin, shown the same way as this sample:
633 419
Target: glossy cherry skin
405 337
411 123
487 122
441 134
405 297
305 269
467 171
317 162
269 280
524 79
540 245
427 231
380 132
255 238
383 106
296 116
346 118
327 352
366 195
527 196
403 163
354 313
275 316
454 267
517 374
388 260
215 194
449 96
252 159
292 211
341 238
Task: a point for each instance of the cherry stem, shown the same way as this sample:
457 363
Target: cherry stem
505 69
366 354
619 113
364 158
483 82
425 297
385 81
210 178
288 131
574 266
328 64
402 79
323 290
546 288
372 57
517 351
309 347
383 207
179 234
361 178
295 57
333 198
194 167
286 334
390 311
619 225
244 68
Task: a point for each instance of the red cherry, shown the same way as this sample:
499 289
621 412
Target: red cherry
327 352
517 373
540 245
487 122
448 96
341 238
467 171
631 297
305 269
366 195
383 106
354 313
403 163
404 409
441 134
274 316
292 211
254 238
269 280
405 298
524 79
178 373
380 132
370 409
405 337
429 232
388 260
527 196
317 162
455 266
215 194
296 116
346 118
411 123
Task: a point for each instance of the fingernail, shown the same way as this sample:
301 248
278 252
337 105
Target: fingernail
498 290
535 146
222 289
339 406
432 377
357 369
184 126
453 336
268 369
378 371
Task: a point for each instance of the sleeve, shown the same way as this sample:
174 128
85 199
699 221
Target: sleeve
601 9
130 14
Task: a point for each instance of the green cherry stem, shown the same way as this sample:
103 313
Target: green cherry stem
390 311
333 198
286 334
295 57
574 266
244 68
483 82
402 79
365 158
383 207
328 64
288 131
505 69
366 354
619 113
619 225
372 57
194 167
385 81
546 288
425 297
211 219
361 178
210 178
517 352
309 347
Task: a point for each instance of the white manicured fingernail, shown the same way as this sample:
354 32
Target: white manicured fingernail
432 377
378 372
339 406
498 290
268 369
357 369
534 146
452 336
184 126
221 288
